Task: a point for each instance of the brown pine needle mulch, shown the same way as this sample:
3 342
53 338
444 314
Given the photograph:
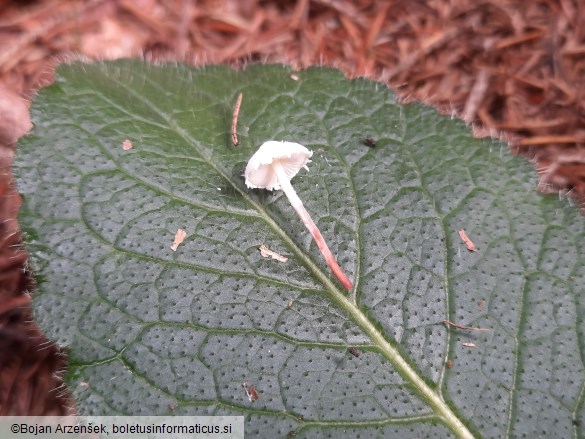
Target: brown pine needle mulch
515 69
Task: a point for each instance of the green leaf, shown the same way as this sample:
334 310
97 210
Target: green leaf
152 331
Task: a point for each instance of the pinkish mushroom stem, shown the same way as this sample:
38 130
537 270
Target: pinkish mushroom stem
297 204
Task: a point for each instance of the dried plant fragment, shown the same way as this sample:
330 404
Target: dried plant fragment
353 351
265 252
470 245
449 364
481 304
251 392
126 145
179 238
370 142
235 140
469 344
294 77
467 328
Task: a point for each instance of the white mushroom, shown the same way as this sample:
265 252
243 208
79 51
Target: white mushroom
272 167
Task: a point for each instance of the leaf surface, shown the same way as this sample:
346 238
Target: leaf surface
156 331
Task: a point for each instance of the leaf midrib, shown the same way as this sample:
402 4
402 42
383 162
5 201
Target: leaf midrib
406 371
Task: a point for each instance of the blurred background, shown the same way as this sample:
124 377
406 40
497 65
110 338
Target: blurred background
510 69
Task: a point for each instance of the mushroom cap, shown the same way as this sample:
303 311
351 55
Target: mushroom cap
291 156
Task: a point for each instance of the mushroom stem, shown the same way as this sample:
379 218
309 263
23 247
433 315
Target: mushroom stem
297 204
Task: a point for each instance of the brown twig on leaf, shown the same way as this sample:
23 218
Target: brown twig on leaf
467 328
235 140
470 245
265 252
179 238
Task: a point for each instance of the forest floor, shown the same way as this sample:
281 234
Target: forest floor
514 70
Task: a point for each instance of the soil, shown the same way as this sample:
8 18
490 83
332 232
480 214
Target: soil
511 69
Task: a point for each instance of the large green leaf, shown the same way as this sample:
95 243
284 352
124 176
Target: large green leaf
152 331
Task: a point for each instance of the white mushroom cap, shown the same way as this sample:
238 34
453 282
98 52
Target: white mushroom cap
291 156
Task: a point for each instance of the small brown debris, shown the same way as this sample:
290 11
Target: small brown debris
545 140
470 245
179 238
265 252
353 351
481 304
476 95
467 328
518 39
83 385
172 407
290 304
14 115
469 344
370 142
294 77
251 392
449 364
235 140
127 145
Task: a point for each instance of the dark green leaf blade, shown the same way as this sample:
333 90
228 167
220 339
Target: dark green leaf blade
152 331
